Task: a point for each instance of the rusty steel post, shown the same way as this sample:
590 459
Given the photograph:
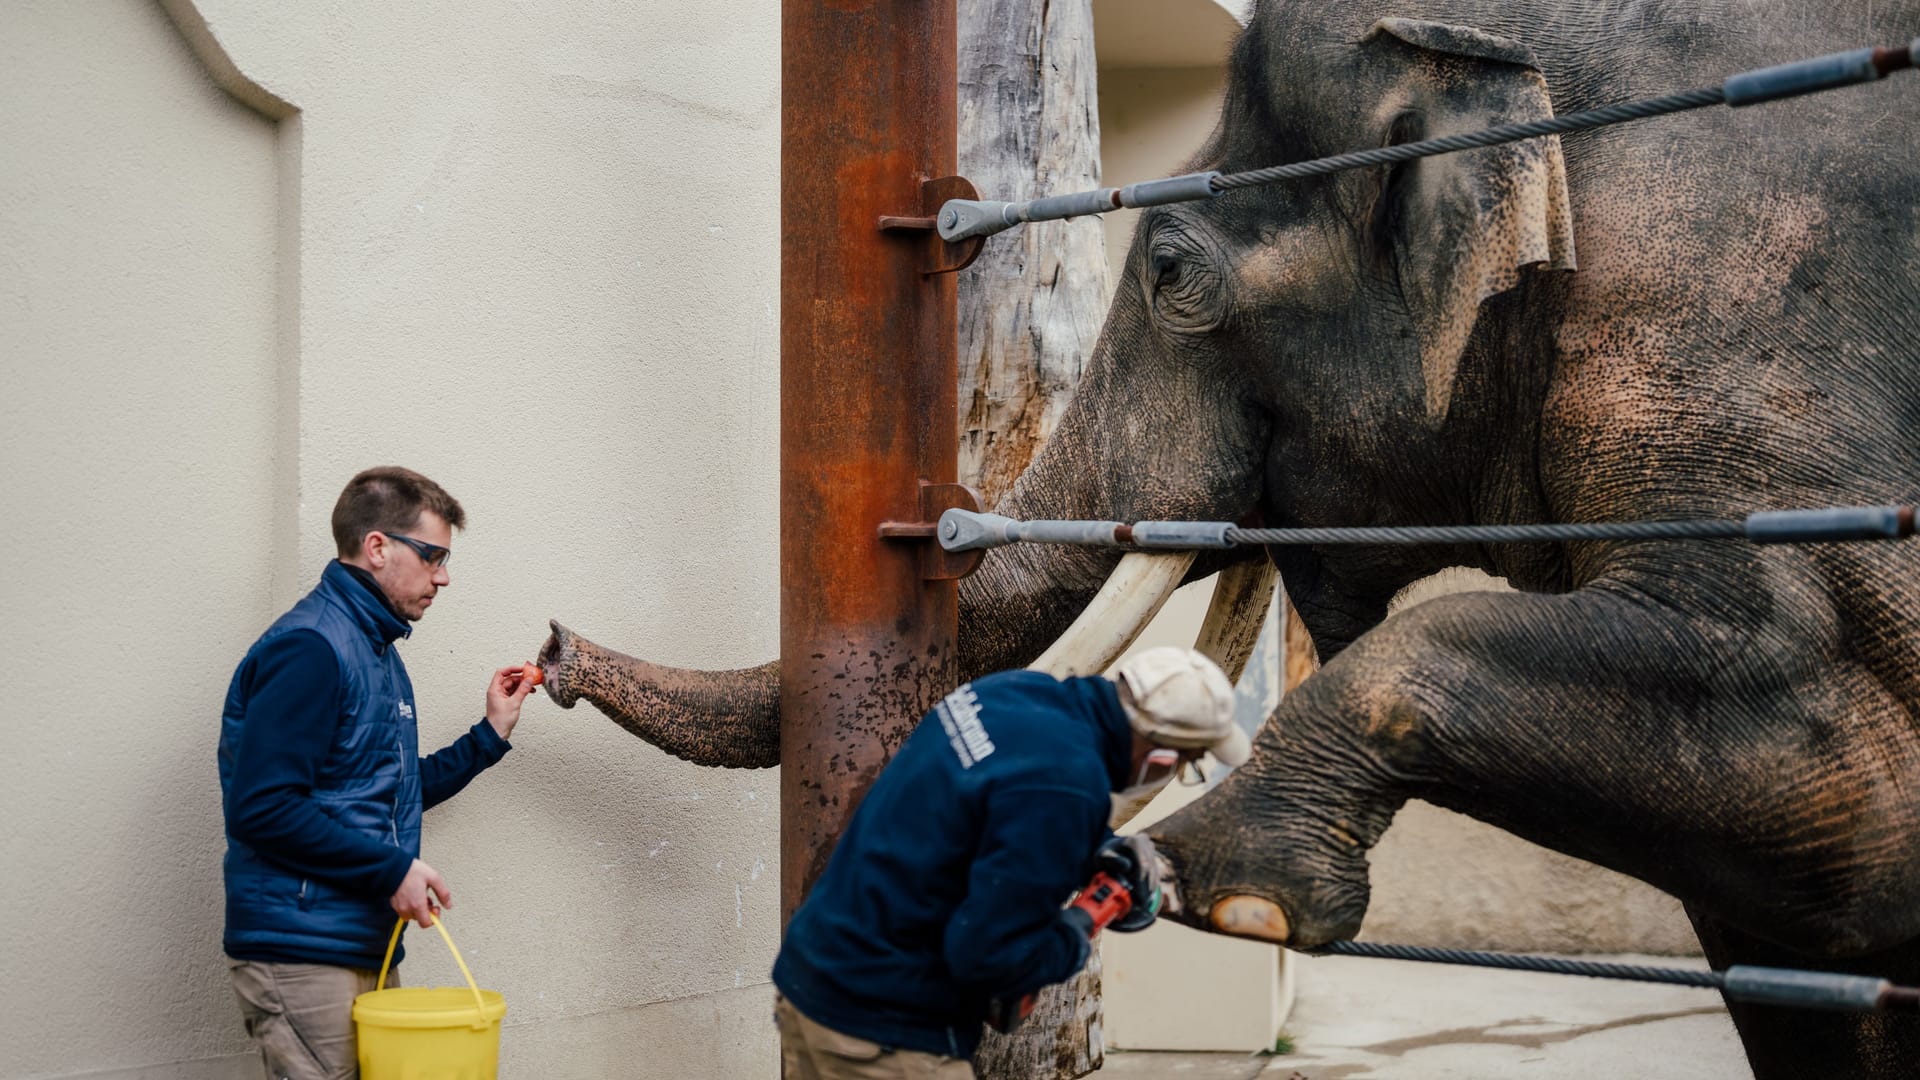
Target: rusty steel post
867 411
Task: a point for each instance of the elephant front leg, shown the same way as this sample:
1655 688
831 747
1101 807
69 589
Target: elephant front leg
1803 1044
1746 770
722 718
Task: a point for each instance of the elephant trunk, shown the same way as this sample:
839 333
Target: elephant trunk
1019 601
718 718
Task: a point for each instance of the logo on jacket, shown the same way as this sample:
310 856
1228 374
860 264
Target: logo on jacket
959 714
406 710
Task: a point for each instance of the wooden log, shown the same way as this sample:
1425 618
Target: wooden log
1032 305
1030 309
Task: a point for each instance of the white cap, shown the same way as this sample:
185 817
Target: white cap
1179 698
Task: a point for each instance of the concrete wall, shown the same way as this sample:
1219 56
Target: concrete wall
1152 119
529 250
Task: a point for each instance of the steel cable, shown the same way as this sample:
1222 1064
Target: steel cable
1494 136
967 530
960 219
1706 980
1496 534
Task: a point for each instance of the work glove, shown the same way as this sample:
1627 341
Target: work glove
1133 861
1126 874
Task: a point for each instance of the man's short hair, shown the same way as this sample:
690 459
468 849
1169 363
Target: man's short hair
389 499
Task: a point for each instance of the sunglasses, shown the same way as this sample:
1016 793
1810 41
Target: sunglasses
1164 762
433 555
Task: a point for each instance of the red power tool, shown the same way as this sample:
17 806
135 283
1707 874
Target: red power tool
1104 900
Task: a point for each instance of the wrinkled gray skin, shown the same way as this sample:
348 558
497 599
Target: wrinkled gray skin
1733 724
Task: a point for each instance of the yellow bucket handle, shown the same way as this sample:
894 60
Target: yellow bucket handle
480 1022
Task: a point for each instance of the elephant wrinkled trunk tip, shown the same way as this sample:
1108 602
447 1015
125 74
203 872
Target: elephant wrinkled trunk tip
557 658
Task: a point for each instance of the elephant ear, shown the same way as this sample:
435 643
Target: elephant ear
1462 226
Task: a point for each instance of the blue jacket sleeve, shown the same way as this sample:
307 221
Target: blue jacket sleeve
444 772
293 707
1007 937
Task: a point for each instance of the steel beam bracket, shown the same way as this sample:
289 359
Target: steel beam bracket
973 219
941 256
936 562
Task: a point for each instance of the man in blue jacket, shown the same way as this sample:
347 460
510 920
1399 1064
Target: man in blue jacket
322 780
946 891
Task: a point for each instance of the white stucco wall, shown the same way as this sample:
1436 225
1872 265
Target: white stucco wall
137 333
1152 120
531 252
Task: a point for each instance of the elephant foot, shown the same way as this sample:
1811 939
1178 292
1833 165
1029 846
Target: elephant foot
1250 917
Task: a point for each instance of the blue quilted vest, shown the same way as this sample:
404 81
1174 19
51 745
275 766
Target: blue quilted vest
370 782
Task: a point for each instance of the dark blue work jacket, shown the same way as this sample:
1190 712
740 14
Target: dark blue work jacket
322 780
946 888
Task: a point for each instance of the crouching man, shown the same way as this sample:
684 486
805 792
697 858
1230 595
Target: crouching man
945 898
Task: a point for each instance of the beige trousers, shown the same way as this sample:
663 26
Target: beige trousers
301 1016
809 1051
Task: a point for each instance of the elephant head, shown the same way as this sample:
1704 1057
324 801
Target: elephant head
1358 331
1337 331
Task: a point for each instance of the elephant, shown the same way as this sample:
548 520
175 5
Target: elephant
1698 316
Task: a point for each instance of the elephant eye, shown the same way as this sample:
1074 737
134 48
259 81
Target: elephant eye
1185 290
1166 269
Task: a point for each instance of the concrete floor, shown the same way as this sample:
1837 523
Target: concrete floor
1359 1019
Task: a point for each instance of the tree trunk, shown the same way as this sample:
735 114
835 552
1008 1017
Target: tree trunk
1030 309
1032 305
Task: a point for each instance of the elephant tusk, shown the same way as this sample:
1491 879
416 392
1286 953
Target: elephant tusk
1237 614
1125 810
1134 593
1251 917
1132 596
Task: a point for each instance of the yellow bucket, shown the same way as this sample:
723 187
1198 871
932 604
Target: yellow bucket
422 1033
